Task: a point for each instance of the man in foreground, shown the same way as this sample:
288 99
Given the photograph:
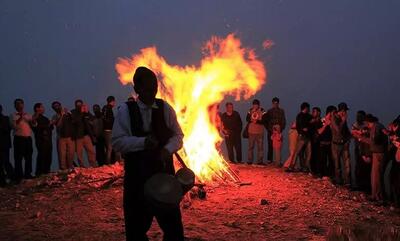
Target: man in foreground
147 133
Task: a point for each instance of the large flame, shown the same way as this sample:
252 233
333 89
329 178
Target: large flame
226 69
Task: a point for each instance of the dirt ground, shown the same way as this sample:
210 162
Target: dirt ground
87 205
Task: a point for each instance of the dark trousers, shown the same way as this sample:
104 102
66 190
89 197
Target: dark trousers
6 169
44 157
234 142
362 170
325 160
341 152
139 217
270 151
315 163
22 150
100 151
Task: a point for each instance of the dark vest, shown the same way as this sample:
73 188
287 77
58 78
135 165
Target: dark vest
141 165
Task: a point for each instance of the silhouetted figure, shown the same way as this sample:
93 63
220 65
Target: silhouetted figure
256 121
82 137
42 129
62 120
108 121
378 144
341 145
21 122
303 121
147 132
324 154
98 131
362 153
232 129
315 124
274 116
6 169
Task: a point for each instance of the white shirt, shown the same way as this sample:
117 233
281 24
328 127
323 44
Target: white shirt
23 128
122 137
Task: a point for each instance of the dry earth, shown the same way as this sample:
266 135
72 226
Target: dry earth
86 205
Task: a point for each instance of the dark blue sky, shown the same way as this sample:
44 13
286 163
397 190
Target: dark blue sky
325 51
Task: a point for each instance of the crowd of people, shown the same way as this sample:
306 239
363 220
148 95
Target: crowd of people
77 131
317 145
320 145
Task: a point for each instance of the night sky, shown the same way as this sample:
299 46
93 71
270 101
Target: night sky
325 51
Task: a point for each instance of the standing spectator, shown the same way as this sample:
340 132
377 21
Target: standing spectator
341 145
277 140
315 124
98 131
325 141
81 132
232 130
378 143
394 155
21 123
303 121
89 137
292 136
256 119
108 121
361 153
6 169
62 120
274 116
42 128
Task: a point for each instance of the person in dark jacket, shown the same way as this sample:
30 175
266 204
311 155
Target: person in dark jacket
98 131
394 155
325 141
315 124
147 133
42 129
6 169
341 145
62 120
232 129
303 126
362 153
378 144
108 121
83 134
274 116
256 124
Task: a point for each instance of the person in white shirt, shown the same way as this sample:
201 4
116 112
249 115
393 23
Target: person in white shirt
147 133
23 150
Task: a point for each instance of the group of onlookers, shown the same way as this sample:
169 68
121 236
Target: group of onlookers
321 145
77 131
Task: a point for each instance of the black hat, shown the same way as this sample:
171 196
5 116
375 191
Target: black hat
370 118
143 75
275 100
343 106
330 109
256 102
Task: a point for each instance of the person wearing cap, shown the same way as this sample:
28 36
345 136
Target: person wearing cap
341 145
256 121
378 144
274 116
147 133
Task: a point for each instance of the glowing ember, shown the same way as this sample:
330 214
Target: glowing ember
226 69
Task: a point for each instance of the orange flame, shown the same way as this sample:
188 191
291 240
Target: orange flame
227 69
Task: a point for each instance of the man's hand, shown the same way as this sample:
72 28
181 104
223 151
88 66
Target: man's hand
150 143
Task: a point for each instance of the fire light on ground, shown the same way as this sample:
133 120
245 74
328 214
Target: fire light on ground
226 69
